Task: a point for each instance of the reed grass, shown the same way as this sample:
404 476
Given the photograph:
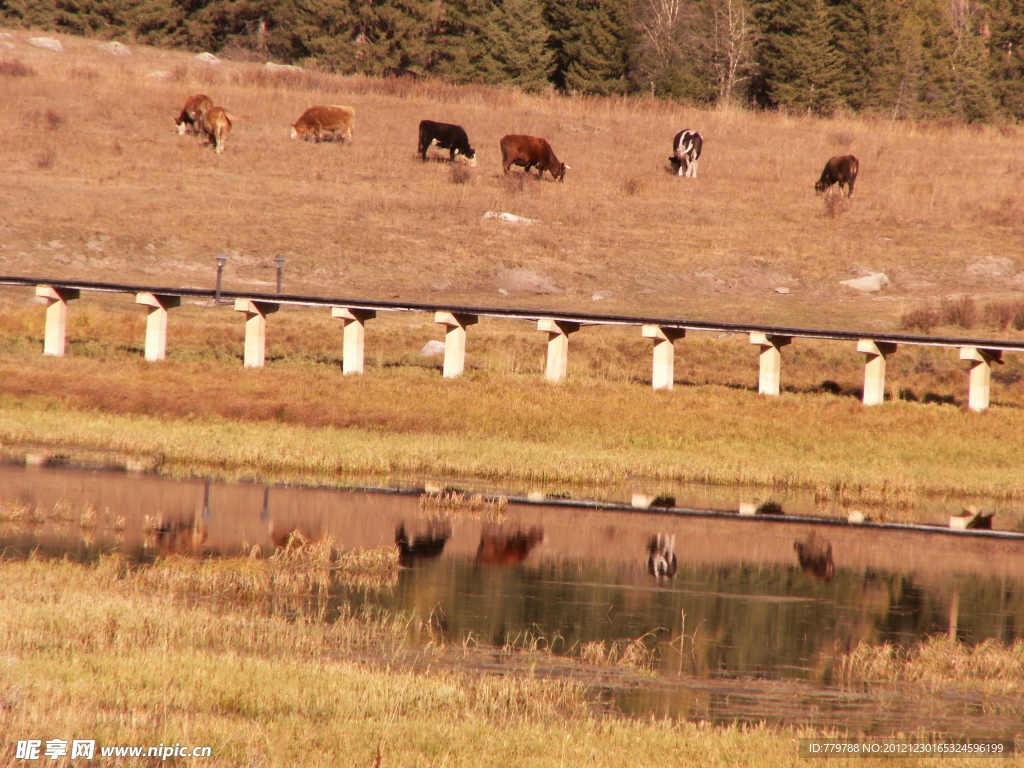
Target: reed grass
113 653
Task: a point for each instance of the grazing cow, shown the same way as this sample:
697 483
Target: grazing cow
840 170
192 114
530 151
446 136
661 557
400 72
686 149
316 120
505 549
815 557
216 124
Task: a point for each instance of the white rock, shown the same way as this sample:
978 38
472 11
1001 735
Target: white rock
782 290
867 284
7 45
271 66
600 295
49 43
511 218
207 58
117 49
6 36
432 348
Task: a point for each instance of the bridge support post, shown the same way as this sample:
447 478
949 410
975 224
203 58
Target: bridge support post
663 372
874 369
981 374
771 361
255 329
558 346
56 316
454 341
156 322
353 343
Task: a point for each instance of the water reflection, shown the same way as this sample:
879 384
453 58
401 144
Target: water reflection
720 602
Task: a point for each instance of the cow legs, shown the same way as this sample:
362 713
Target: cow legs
691 170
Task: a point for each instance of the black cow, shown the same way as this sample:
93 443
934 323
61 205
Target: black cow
446 136
840 170
686 149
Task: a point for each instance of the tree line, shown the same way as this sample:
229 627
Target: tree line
900 58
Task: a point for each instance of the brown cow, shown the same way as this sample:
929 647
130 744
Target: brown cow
498 548
530 151
216 124
316 120
815 557
192 114
841 169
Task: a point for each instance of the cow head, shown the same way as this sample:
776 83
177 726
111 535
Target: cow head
470 155
295 132
820 186
560 174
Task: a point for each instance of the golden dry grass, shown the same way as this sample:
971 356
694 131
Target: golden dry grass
100 187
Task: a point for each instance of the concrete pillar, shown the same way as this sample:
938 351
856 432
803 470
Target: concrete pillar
981 374
558 346
771 361
874 369
56 316
255 329
353 343
664 370
454 341
156 322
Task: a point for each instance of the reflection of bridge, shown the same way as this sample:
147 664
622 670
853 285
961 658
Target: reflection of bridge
981 353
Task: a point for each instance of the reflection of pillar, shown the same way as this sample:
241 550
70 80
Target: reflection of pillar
454 341
265 512
663 372
981 374
206 502
954 613
558 346
874 369
56 316
771 361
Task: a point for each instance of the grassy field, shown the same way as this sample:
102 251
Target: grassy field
235 655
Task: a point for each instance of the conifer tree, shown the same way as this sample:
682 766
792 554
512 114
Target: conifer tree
1006 55
462 40
516 39
590 40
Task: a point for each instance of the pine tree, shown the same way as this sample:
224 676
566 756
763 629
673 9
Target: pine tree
1006 56
462 40
517 52
590 40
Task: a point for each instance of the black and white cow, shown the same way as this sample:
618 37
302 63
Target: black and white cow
686 148
446 136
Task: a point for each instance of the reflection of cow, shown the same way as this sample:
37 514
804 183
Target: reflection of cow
181 537
661 557
422 546
815 556
507 549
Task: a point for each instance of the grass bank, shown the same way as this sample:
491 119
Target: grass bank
184 653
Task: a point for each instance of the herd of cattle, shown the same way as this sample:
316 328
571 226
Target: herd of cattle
200 116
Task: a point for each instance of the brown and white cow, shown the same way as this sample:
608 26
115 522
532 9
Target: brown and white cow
331 118
192 113
840 170
216 124
529 152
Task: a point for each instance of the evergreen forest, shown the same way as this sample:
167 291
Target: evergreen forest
899 59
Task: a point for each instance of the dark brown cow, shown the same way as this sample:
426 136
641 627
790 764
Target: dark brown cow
421 546
840 170
446 136
331 118
507 549
192 113
529 152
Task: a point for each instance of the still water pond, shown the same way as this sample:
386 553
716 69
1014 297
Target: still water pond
747 618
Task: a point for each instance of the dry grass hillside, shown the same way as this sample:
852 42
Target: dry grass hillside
97 185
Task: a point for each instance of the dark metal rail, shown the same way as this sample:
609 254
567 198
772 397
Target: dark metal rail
583 318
